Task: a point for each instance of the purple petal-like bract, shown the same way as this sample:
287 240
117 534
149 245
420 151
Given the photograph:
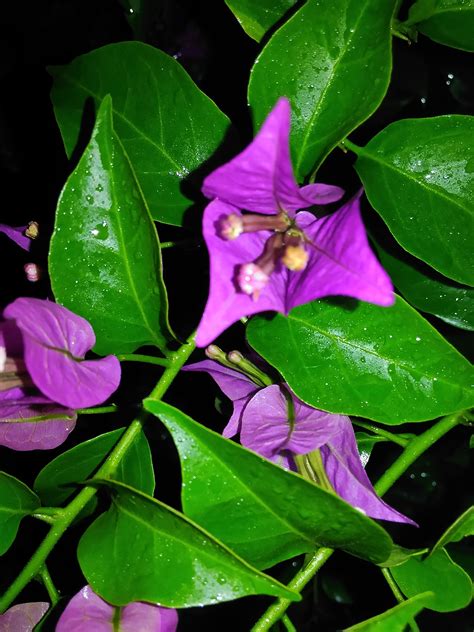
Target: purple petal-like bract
261 178
344 469
55 341
262 418
17 234
23 617
235 385
265 428
16 406
340 263
87 612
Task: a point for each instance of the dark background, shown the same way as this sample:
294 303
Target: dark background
206 38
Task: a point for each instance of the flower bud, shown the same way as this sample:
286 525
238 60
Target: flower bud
231 226
214 352
32 271
251 279
235 357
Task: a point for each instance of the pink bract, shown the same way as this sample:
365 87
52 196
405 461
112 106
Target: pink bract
87 611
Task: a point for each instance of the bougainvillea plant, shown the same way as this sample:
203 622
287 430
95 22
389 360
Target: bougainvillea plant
268 174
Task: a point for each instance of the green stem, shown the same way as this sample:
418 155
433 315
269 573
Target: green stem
137 357
299 581
397 594
287 622
393 586
381 432
98 410
69 513
49 585
413 450
39 515
347 144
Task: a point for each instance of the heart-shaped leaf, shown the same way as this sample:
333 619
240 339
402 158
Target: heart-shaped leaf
142 550
452 587
104 260
262 511
386 364
16 501
419 176
333 61
396 619
461 528
168 127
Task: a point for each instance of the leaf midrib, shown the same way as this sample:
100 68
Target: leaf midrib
325 90
226 466
230 560
437 192
341 341
120 236
125 120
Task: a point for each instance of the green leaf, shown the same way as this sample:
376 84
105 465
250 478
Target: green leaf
383 363
263 512
333 61
104 260
449 22
16 501
395 619
166 124
256 18
461 528
419 176
142 550
452 587
365 445
58 480
400 555
430 292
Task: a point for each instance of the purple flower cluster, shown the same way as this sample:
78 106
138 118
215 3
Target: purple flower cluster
43 375
271 257
273 422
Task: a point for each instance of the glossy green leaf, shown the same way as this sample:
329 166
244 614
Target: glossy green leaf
449 22
256 18
16 501
452 587
104 260
400 555
263 512
142 550
461 528
333 61
431 293
166 124
386 364
396 619
419 176
365 445
58 480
